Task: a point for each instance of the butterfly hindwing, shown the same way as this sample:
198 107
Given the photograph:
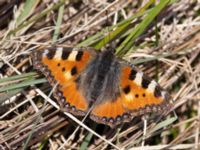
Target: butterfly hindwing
110 113
71 100
62 66
138 95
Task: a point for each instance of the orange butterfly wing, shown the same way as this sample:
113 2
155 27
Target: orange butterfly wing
62 66
138 95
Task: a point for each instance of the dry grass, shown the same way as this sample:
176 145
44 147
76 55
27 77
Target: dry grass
168 50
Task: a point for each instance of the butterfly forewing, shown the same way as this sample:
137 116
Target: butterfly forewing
140 94
62 66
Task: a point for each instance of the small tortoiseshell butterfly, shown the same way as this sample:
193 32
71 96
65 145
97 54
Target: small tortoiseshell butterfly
115 89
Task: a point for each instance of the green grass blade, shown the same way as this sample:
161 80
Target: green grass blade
111 36
100 36
29 6
58 23
139 29
22 84
37 17
18 77
164 123
84 145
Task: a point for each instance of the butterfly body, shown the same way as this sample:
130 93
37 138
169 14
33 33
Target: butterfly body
115 90
99 81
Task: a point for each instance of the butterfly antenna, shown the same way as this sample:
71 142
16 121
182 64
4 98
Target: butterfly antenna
107 19
106 28
112 44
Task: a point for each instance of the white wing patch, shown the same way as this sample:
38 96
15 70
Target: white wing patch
152 86
58 53
72 56
138 78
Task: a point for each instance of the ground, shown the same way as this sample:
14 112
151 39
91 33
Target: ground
162 38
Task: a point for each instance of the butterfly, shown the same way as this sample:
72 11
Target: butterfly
114 90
